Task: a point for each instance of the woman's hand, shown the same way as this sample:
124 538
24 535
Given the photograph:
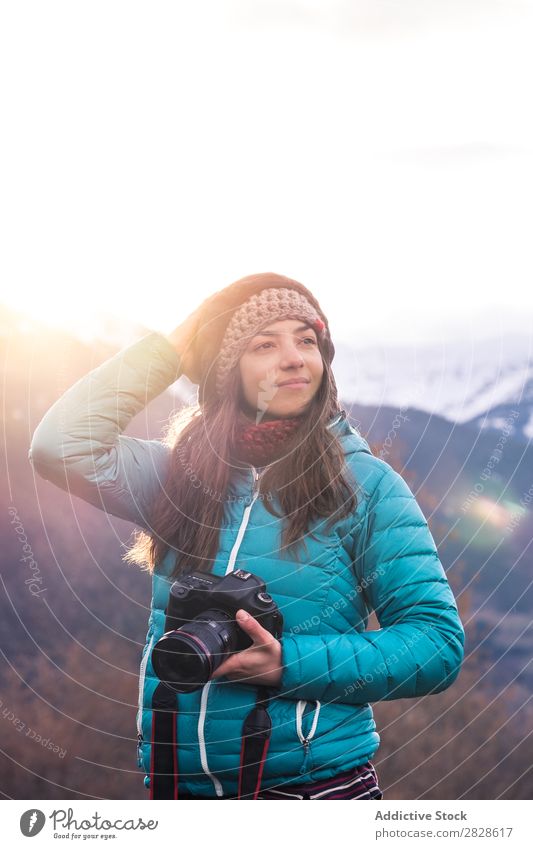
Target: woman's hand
258 664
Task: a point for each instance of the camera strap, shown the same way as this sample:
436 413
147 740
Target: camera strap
163 752
256 733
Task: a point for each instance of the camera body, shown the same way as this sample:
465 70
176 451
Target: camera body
197 592
201 628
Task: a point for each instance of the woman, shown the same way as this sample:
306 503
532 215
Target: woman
265 475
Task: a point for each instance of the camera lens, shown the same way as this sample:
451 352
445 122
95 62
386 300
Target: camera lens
186 658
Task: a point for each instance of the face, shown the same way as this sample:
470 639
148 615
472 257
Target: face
283 351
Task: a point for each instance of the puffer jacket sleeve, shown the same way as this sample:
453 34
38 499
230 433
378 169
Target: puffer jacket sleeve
419 647
79 445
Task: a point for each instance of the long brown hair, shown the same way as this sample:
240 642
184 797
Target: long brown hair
310 481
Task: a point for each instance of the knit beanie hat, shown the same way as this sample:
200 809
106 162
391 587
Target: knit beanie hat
230 317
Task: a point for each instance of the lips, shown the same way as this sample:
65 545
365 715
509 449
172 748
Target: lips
294 382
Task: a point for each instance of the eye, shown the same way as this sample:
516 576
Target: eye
304 339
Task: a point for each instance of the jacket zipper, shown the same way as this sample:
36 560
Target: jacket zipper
205 690
244 522
219 790
305 741
142 676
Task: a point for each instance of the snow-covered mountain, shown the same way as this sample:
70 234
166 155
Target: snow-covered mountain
483 382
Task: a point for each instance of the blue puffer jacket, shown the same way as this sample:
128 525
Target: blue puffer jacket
382 557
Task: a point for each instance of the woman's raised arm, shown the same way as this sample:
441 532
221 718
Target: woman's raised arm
79 446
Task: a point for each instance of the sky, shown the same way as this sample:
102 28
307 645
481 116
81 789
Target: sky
380 152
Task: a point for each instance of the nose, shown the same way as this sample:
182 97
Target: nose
291 355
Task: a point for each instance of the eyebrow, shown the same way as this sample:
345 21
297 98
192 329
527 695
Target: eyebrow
277 333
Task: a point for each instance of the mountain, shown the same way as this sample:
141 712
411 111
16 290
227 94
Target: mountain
484 383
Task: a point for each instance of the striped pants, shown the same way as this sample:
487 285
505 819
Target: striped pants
359 783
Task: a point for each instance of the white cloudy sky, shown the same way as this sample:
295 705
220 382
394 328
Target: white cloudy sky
380 151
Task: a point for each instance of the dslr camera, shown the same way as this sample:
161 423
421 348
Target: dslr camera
201 630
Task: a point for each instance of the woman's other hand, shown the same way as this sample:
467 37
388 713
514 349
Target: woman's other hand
258 664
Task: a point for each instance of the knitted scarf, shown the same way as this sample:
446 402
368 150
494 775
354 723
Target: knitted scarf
260 444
